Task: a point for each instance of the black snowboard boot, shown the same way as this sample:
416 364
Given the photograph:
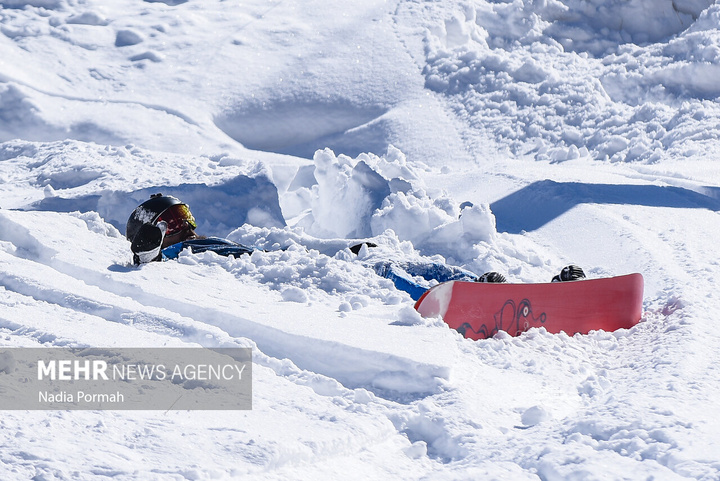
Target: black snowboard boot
493 277
569 273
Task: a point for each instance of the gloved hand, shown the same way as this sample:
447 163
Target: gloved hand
147 243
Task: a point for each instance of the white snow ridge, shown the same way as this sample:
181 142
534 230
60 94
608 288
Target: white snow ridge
488 135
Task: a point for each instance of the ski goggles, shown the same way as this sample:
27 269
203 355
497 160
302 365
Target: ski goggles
177 217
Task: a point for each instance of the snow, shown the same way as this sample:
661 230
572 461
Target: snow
492 135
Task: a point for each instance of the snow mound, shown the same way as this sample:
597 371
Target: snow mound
371 195
507 75
297 127
72 176
593 26
599 26
300 274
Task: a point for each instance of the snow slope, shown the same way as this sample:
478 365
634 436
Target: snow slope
580 131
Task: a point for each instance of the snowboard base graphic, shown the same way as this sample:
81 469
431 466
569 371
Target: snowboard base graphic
480 310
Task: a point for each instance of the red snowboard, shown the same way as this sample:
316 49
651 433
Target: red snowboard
479 310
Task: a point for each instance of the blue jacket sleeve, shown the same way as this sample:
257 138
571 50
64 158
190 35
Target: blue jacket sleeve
220 246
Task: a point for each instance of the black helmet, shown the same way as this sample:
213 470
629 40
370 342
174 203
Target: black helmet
148 213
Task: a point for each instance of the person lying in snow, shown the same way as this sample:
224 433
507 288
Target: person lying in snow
163 226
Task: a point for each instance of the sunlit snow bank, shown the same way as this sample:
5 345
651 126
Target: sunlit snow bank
520 73
369 195
339 201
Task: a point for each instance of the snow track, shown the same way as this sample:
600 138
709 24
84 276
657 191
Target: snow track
42 307
116 296
666 361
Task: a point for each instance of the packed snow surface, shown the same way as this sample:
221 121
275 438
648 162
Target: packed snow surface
514 136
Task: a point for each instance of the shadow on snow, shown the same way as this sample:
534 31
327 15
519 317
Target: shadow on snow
537 204
218 209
